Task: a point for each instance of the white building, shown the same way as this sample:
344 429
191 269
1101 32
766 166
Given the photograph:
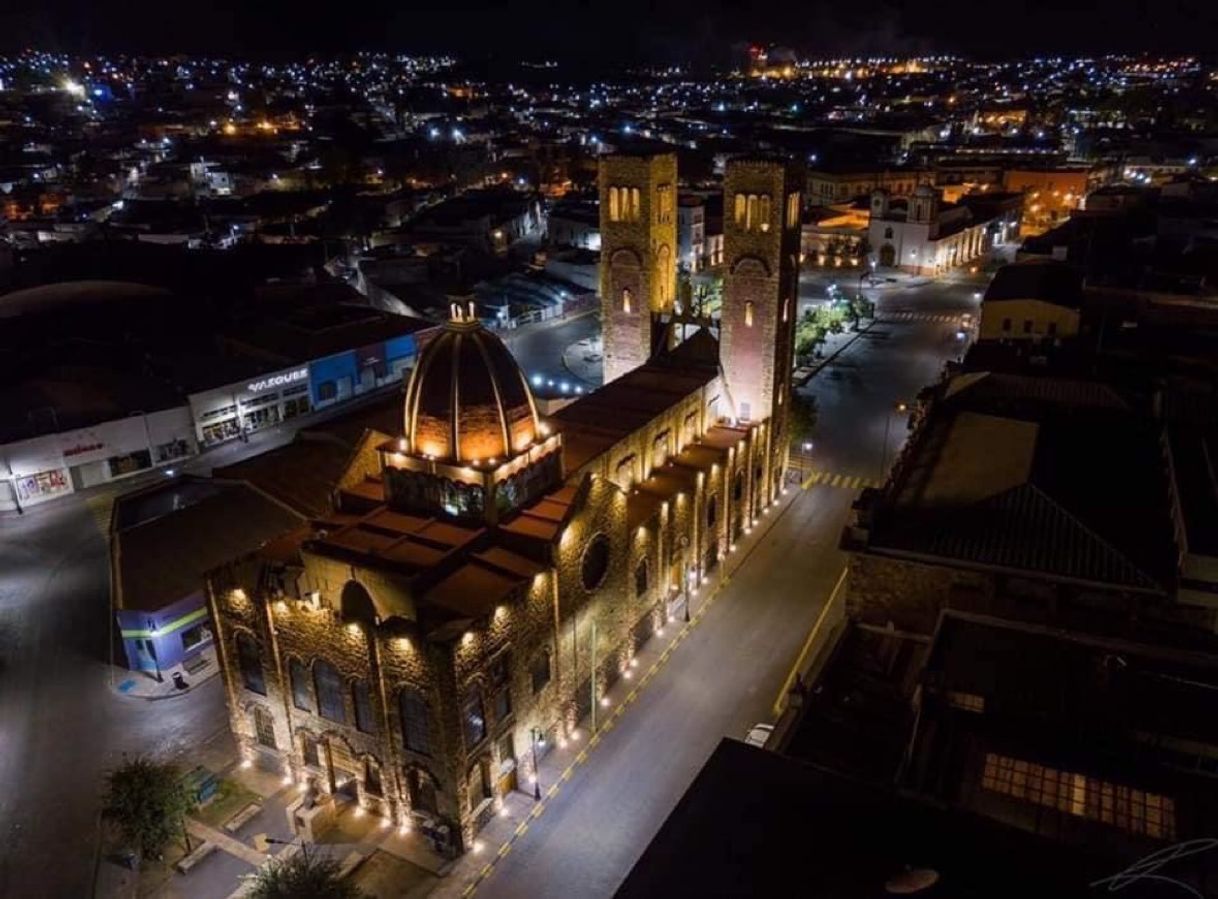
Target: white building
923 235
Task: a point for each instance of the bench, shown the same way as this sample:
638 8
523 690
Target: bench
349 864
243 817
200 852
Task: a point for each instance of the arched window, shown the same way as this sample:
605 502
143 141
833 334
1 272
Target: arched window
416 721
750 217
763 212
422 791
595 564
712 512
372 778
361 701
299 676
626 300
329 685
738 486
748 313
741 214
249 660
615 212
473 718
635 204
540 670
479 784
641 578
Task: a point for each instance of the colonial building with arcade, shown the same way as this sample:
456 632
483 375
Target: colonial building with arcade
486 574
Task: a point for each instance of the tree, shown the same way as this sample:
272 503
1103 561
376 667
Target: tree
802 417
148 803
302 875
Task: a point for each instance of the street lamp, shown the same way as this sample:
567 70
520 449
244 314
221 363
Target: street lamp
899 409
536 736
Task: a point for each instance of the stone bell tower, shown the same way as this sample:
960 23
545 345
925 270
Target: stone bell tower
638 278
761 222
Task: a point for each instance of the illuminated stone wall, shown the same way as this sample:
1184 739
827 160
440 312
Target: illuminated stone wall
638 276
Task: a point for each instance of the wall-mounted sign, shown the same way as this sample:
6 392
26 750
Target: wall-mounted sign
283 379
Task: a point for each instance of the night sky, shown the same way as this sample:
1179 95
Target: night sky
683 30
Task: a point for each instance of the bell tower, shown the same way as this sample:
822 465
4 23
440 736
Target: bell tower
638 278
761 226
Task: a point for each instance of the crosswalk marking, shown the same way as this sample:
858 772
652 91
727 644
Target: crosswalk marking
837 479
942 318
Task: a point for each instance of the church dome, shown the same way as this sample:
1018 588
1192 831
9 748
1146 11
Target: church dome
468 400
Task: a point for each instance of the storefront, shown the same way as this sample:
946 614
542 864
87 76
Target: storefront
337 378
43 468
237 410
157 641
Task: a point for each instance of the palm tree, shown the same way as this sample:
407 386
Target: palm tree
301 875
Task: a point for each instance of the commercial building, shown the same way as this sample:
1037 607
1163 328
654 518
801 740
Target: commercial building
483 574
844 184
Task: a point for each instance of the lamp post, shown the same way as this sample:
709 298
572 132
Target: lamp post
536 736
898 409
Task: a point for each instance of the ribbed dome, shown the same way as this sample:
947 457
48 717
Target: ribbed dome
468 400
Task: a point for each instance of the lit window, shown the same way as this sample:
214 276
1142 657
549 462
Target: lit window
741 202
750 216
1131 810
748 314
969 702
763 212
626 300
615 211
635 204
473 719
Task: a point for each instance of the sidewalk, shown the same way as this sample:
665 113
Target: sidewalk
519 810
834 346
142 685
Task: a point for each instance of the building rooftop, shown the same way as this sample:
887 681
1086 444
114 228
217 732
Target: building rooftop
1038 279
754 823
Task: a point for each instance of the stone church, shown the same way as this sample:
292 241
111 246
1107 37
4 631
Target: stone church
487 573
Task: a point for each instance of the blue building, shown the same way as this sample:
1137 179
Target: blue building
163 539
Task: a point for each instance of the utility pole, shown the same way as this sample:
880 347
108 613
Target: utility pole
592 674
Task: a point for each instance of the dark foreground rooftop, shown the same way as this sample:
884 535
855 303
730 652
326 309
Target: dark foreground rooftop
754 823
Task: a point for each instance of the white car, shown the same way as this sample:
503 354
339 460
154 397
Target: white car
759 735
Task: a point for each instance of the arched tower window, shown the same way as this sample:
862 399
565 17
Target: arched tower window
615 213
763 212
750 216
635 204
626 305
748 314
741 202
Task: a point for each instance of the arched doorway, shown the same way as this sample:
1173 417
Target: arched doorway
888 255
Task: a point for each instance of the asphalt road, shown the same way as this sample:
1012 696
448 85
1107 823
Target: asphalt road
726 676
538 350
61 726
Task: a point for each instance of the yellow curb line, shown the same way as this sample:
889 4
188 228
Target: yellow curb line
803 652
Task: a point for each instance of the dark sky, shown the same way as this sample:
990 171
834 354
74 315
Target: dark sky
611 31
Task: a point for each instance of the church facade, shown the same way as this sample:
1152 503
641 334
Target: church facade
485 575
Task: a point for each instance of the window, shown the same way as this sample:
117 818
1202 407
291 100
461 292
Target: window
540 671
299 676
888 233
1027 326
249 660
500 680
595 564
327 391
763 212
422 791
416 721
615 210
750 215
1006 324
264 727
329 685
479 785
664 203
740 204
372 778
792 210
712 512
738 486
473 718
361 700
626 300
748 313
507 752
311 750
969 702
193 636
1131 810
641 579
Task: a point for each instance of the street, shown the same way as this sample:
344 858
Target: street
727 674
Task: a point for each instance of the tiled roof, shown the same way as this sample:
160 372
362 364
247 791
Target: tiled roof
1020 528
